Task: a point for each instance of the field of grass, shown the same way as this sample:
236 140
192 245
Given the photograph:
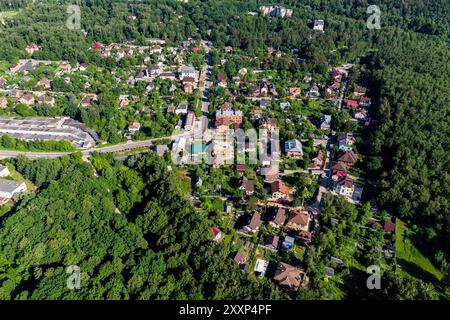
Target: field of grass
411 259
185 184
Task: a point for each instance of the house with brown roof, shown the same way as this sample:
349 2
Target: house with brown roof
304 236
46 100
27 99
255 223
45 83
86 102
388 226
288 277
247 185
269 124
272 242
279 218
360 91
280 191
317 162
349 159
271 173
298 220
240 258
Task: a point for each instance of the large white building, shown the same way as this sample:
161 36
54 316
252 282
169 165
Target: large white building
10 187
43 129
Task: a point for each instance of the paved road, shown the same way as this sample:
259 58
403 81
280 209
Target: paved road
115 148
205 79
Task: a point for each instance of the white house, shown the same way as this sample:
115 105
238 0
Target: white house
4 171
318 25
261 267
10 187
187 71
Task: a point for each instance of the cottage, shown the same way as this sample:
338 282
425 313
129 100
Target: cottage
241 168
123 101
46 100
217 234
298 220
351 103
8 188
269 124
343 186
345 139
182 108
288 243
240 258
279 218
255 223
45 83
388 226
288 277
134 126
270 172
325 122
293 149
349 159
365 102
32 48
161 149
319 25
65 67
261 267
280 191
4 171
272 242
187 71
359 91
247 185
27 99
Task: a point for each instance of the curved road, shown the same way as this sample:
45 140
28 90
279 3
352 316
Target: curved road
130 145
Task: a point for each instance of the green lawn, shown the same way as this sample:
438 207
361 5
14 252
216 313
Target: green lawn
409 257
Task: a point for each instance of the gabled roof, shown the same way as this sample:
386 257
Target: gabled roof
280 216
255 222
339 167
288 276
248 185
299 217
293 146
279 186
348 157
345 181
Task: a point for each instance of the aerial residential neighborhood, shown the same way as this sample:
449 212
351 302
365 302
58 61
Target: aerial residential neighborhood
223 150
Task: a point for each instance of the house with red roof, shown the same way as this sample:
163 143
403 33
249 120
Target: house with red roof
97 46
351 103
217 234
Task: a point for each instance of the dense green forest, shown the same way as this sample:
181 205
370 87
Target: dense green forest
410 146
155 247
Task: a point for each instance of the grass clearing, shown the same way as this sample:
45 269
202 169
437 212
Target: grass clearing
410 259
